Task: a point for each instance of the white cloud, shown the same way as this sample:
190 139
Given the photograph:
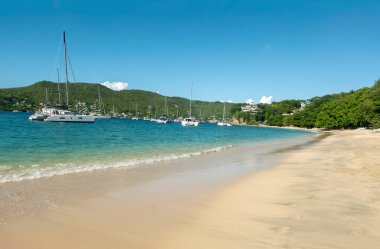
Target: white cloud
116 85
266 100
229 101
249 101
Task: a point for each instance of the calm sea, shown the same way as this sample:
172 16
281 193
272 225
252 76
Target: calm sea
32 149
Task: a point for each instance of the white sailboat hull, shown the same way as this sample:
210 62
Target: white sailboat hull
74 118
161 121
102 116
223 124
189 123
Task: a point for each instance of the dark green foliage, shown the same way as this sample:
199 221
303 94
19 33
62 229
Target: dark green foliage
246 117
341 111
286 106
268 114
355 109
235 108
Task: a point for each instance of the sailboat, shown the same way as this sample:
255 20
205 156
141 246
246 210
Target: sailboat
164 118
100 113
224 122
154 118
190 121
147 118
64 114
136 117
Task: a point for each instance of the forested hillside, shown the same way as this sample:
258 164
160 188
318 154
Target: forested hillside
360 108
355 109
31 98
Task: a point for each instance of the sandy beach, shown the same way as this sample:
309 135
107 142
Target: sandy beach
324 194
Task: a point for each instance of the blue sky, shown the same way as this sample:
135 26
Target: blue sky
232 50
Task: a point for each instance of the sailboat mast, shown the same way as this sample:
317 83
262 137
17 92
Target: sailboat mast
166 108
46 96
67 75
59 90
191 96
100 103
224 109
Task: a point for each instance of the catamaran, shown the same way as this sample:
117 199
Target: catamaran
69 116
190 121
224 121
65 115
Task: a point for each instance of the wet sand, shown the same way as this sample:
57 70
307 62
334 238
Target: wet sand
324 195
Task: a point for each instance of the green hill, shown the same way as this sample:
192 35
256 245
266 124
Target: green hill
31 98
360 108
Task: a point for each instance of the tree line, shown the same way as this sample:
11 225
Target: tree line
360 108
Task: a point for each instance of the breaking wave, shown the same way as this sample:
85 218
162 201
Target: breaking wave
35 171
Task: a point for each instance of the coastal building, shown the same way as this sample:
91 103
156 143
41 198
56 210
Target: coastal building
250 107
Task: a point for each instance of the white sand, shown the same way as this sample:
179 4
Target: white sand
325 196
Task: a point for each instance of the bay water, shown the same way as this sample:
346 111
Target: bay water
32 149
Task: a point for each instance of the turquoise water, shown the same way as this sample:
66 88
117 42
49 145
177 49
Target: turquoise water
32 149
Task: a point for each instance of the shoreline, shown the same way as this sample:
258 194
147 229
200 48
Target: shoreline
320 194
127 165
313 130
28 197
51 168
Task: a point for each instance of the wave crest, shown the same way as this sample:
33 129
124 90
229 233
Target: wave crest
34 172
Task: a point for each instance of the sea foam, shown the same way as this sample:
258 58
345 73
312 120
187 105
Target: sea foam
35 172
